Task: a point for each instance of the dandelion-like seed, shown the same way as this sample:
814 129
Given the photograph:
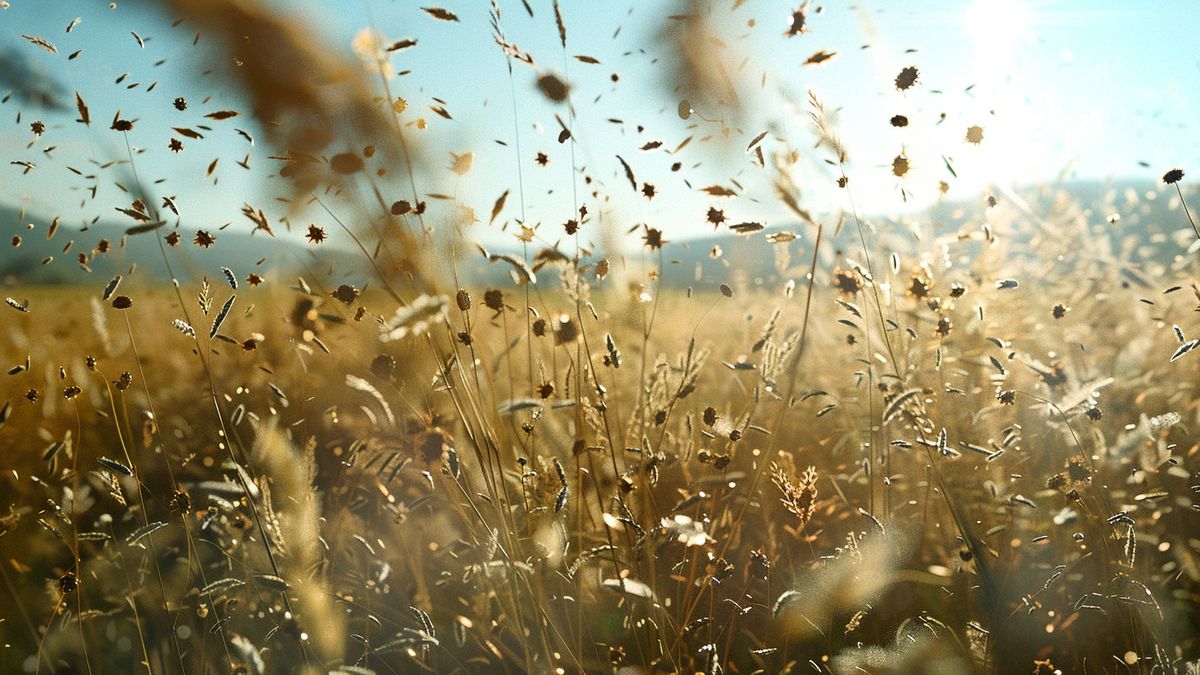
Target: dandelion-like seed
1173 177
796 24
848 282
346 294
67 583
315 234
907 78
653 238
203 239
919 285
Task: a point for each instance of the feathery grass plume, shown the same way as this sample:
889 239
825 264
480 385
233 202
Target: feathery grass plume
860 572
366 387
594 473
291 475
312 103
414 319
824 124
30 81
307 97
922 645
700 67
799 497
100 325
246 655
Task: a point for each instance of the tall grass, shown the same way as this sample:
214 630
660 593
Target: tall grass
969 451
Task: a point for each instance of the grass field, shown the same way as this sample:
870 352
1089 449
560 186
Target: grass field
671 480
959 445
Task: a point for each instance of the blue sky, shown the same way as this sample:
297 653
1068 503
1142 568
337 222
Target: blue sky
1062 89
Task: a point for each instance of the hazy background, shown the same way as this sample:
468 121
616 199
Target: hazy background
1062 89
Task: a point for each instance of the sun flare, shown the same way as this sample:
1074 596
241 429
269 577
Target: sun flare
705 336
996 26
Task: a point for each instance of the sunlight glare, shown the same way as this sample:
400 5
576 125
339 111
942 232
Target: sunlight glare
996 25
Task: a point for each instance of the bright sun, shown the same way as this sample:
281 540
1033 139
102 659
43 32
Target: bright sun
996 25
997 29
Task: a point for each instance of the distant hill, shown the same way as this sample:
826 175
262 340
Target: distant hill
750 260
745 259
236 249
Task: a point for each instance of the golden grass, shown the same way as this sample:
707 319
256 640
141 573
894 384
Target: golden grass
970 450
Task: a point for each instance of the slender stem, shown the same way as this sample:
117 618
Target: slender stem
1186 211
